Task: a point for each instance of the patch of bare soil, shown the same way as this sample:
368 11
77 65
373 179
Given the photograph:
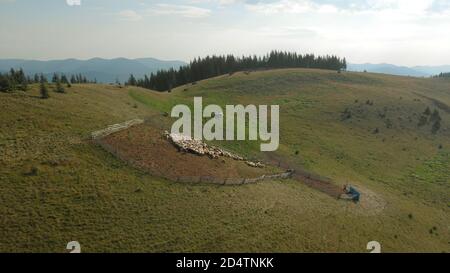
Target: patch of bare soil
146 148
323 186
310 179
370 203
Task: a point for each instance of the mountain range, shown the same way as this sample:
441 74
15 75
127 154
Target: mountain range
111 70
102 70
415 71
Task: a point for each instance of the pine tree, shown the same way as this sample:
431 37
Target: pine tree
55 78
43 79
12 79
44 90
4 83
64 79
21 79
132 80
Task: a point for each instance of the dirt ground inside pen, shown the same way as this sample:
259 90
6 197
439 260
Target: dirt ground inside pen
146 148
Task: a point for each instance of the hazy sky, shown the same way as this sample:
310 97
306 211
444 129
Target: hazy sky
404 32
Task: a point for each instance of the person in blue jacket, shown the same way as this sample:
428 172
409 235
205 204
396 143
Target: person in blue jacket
351 193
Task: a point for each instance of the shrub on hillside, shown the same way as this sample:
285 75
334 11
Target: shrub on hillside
44 91
435 116
422 121
59 87
347 114
436 126
388 123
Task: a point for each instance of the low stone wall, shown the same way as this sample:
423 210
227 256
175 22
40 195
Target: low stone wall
115 128
232 181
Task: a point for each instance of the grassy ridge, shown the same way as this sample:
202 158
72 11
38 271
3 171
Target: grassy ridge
79 192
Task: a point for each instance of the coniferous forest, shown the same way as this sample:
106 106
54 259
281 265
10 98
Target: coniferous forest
443 75
17 80
211 66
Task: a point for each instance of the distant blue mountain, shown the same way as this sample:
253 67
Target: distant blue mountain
103 70
108 70
433 70
393 69
387 69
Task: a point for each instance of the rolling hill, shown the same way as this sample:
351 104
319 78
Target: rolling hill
104 70
362 128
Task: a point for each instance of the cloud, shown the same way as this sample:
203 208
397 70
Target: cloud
406 6
228 2
287 32
220 2
129 15
164 10
290 6
180 10
418 7
73 2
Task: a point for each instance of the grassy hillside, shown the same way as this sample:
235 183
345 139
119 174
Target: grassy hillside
57 187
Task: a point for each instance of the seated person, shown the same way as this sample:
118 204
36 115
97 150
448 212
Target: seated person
350 193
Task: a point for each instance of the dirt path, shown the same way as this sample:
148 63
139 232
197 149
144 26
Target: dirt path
309 179
323 186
